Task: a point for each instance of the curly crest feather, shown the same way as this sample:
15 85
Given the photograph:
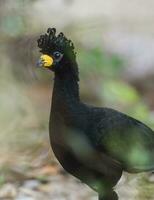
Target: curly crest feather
49 42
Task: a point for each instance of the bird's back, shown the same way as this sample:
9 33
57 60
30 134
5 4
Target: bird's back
123 138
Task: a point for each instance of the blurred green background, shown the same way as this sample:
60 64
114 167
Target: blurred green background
115 47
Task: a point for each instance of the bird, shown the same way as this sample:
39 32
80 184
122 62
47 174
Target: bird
94 144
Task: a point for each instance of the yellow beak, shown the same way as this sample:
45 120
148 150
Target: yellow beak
45 61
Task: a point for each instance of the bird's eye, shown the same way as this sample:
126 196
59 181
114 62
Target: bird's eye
57 55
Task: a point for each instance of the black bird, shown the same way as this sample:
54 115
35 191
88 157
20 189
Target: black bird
93 144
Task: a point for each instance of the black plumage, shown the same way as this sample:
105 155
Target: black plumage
93 144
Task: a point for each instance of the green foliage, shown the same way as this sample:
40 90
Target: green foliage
118 91
105 71
2 180
98 61
12 25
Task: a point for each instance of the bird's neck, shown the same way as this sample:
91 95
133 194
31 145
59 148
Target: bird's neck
65 108
66 92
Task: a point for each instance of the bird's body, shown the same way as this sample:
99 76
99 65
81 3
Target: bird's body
95 144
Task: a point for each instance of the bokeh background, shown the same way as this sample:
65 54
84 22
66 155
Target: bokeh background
114 41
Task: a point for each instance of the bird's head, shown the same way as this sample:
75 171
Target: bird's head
57 51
